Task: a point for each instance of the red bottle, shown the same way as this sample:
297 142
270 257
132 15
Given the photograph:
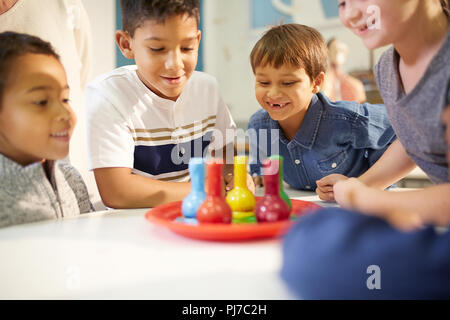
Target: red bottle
271 207
214 209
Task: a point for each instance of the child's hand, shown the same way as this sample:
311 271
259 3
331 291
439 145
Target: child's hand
251 184
353 194
229 182
325 186
345 192
258 181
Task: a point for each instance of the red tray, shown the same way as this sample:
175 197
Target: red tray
166 214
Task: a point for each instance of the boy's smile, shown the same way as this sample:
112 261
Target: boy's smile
166 53
285 93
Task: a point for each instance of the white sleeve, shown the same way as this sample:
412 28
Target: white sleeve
225 126
110 141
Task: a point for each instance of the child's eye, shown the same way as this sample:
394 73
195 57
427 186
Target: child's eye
66 101
264 83
41 103
156 49
290 83
187 49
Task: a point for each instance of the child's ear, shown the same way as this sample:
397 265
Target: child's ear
318 82
123 40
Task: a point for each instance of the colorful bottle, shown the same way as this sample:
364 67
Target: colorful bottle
240 198
271 207
214 209
283 194
197 195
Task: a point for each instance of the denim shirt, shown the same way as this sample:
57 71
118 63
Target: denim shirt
335 137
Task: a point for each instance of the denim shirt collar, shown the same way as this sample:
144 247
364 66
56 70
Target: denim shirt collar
307 133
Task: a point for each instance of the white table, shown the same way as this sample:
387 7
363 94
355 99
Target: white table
118 254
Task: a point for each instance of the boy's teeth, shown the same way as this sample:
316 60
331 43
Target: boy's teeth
59 134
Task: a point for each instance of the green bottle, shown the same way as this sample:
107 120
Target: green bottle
283 194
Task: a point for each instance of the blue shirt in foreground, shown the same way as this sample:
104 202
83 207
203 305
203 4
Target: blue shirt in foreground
335 137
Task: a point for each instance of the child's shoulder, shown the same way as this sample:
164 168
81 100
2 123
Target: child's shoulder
71 175
337 108
69 171
76 183
203 77
385 66
260 118
119 77
202 81
350 110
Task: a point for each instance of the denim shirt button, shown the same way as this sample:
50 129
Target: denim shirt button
334 165
182 150
297 161
307 187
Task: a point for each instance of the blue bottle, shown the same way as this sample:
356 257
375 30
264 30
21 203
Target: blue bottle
197 195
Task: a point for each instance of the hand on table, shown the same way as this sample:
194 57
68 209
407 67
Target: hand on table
258 181
325 186
353 194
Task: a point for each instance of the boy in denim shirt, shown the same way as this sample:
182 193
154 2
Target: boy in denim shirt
317 137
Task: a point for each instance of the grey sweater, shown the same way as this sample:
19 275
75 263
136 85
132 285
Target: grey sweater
416 116
27 195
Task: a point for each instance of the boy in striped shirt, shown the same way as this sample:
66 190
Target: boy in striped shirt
147 120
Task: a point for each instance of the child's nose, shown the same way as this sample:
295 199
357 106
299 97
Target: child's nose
273 92
174 61
65 113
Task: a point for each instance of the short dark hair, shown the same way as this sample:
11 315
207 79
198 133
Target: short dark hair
135 12
446 7
12 46
291 44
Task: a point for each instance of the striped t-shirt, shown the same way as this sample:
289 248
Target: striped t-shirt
130 126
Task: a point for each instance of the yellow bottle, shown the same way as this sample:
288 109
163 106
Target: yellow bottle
240 198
